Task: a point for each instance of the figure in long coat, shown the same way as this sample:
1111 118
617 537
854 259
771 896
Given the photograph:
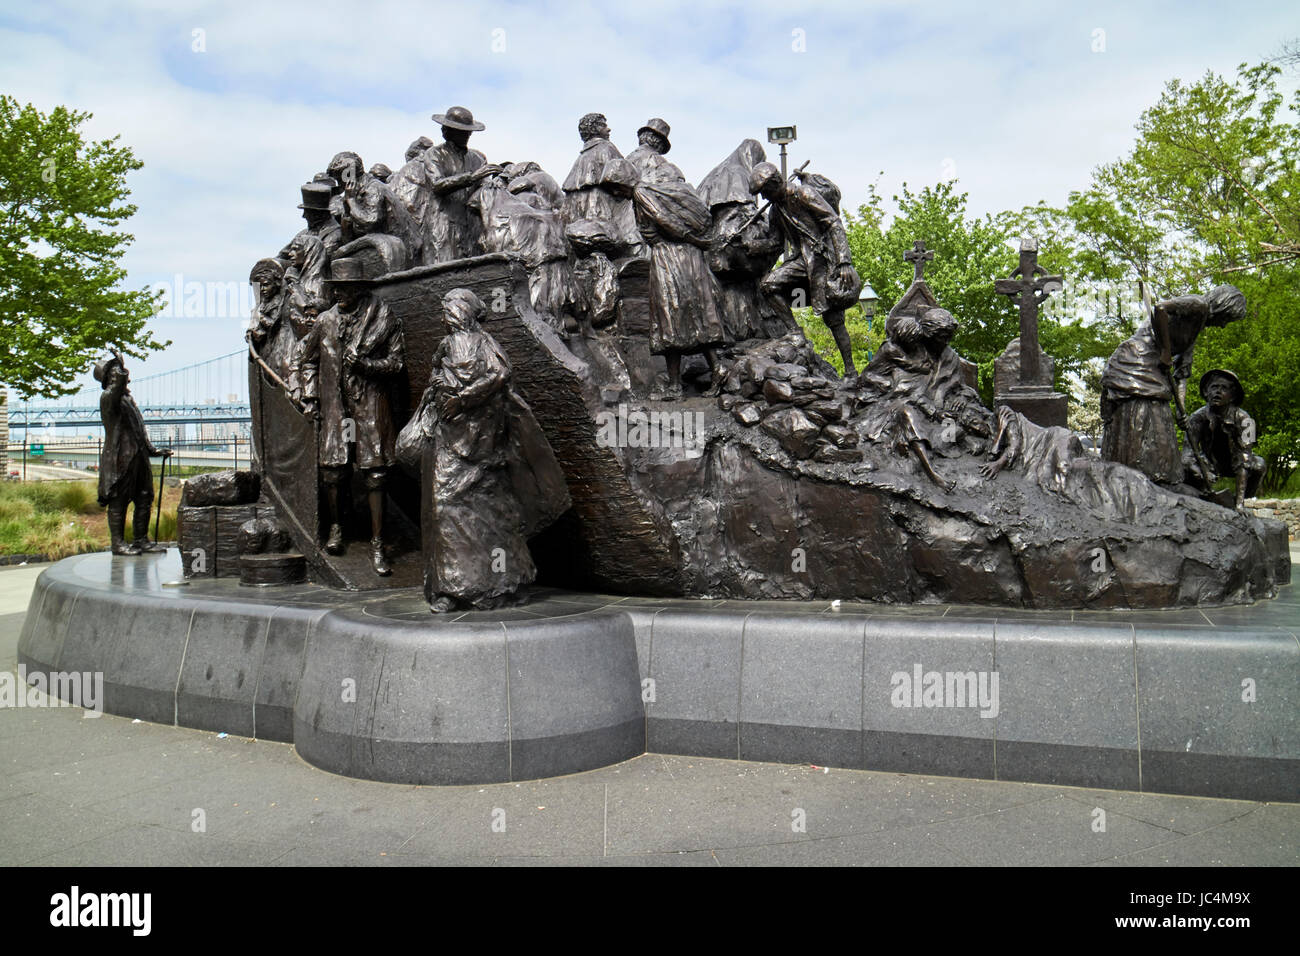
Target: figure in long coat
742 248
125 476
349 364
490 480
599 186
675 223
452 172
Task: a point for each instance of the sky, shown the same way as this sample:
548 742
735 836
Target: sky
232 105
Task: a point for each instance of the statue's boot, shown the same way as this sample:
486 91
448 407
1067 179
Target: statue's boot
117 531
140 524
334 545
442 605
377 558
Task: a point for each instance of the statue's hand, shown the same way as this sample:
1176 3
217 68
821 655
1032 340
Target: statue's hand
991 469
449 406
166 453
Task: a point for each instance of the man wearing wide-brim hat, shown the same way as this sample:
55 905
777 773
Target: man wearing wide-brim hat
350 364
125 476
1225 435
452 172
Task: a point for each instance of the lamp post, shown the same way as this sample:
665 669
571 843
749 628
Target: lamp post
867 299
782 135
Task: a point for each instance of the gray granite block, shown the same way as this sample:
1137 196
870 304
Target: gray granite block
1220 712
922 683
801 689
371 689
279 672
695 667
223 658
575 694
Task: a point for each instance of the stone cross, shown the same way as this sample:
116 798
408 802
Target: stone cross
1028 285
918 255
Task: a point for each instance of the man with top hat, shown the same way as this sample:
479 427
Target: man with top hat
452 173
315 208
350 363
1225 436
125 476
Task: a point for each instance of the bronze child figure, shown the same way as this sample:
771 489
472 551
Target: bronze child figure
1225 435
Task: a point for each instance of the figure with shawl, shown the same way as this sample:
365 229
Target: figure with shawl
489 478
520 215
1137 386
675 223
922 403
743 249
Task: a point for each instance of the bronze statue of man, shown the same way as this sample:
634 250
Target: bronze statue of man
452 171
349 361
125 476
821 264
321 223
599 186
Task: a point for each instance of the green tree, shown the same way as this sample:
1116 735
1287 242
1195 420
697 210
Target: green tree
969 254
1210 193
61 203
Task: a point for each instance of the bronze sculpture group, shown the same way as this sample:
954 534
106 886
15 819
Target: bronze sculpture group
721 265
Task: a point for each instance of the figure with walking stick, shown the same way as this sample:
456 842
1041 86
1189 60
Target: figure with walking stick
125 476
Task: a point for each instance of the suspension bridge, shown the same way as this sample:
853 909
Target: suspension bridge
214 391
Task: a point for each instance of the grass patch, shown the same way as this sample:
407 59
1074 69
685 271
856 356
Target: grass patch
62 518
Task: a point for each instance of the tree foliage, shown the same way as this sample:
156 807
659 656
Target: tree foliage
61 206
1210 193
969 254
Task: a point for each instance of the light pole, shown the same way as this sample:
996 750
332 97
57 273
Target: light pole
782 135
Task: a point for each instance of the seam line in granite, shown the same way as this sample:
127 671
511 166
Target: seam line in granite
995 719
510 729
63 644
257 685
862 703
740 684
1137 706
40 611
650 670
176 691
